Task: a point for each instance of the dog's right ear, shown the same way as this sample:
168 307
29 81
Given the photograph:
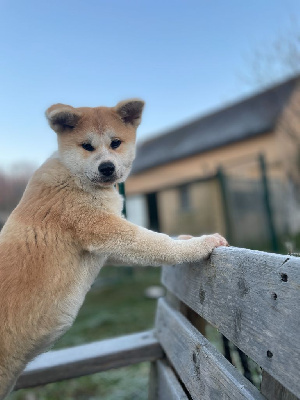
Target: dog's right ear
62 117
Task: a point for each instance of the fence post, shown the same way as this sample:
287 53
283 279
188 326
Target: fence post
224 195
128 269
122 193
267 204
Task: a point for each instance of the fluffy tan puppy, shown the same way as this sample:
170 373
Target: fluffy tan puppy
68 223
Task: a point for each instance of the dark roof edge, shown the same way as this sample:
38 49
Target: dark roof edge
212 147
217 110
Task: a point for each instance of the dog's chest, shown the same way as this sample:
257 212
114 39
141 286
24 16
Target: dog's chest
90 265
67 308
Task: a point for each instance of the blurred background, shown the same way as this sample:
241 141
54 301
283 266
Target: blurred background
218 147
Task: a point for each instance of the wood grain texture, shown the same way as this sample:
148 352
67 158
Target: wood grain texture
90 358
163 383
203 370
253 298
273 390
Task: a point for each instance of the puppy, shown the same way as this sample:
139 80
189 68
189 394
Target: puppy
67 224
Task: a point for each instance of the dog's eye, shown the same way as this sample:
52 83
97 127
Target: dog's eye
115 143
87 147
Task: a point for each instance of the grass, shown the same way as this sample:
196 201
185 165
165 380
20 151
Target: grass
115 306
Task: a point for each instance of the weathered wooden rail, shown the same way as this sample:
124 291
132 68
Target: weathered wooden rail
253 298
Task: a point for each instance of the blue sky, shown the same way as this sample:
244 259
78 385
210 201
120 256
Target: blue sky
183 57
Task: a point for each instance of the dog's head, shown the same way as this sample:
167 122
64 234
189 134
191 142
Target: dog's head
97 144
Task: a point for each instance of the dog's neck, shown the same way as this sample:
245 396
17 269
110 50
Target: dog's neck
56 174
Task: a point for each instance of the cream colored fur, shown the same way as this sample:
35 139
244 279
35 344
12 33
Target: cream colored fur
66 225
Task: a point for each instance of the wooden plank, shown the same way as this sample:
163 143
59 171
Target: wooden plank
203 370
273 390
253 298
163 383
90 358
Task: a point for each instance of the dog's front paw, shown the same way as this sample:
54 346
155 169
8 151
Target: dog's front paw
193 249
210 242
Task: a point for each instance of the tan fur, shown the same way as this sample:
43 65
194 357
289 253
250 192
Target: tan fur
68 223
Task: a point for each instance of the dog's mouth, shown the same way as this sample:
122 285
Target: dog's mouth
103 180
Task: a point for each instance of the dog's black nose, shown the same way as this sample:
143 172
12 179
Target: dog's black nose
107 168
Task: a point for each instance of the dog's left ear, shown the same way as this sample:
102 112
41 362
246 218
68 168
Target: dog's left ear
130 111
62 117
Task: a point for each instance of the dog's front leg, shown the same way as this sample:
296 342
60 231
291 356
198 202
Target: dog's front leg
129 243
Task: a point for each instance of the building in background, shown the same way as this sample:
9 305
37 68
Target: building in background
235 171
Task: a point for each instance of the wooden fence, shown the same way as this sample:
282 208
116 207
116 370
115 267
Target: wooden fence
251 297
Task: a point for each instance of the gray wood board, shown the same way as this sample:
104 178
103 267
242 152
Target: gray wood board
203 370
163 383
253 298
90 358
273 390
